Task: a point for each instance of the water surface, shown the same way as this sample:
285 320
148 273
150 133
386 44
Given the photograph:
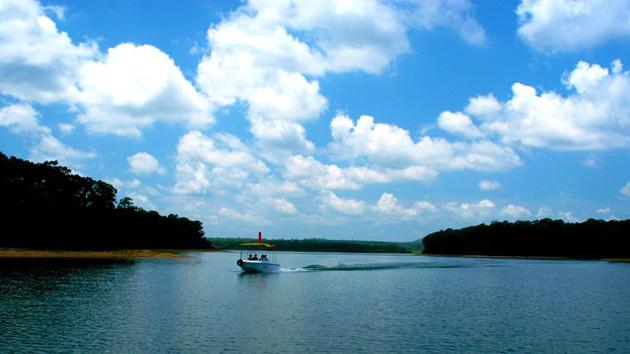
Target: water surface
319 302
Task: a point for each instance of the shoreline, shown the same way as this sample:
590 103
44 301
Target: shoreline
124 254
542 258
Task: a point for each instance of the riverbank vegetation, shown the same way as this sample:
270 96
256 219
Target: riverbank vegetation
594 239
324 245
45 205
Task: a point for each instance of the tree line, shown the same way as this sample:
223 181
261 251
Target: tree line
45 205
594 239
324 245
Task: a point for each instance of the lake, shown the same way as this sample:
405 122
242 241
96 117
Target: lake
320 302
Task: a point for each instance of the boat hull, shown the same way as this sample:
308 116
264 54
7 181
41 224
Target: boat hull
258 266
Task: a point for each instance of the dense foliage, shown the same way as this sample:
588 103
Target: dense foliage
46 205
323 245
543 238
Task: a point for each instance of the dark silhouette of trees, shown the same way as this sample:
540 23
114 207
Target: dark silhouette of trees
541 238
45 205
324 245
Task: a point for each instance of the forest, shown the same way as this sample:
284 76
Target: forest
591 239
325 245
45 205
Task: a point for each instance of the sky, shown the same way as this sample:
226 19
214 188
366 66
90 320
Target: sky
342 119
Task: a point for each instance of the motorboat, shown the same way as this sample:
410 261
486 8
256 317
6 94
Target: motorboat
257 257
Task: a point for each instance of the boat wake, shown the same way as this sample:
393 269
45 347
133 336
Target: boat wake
378 266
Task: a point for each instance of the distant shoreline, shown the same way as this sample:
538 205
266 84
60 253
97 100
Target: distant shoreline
123 254
541 258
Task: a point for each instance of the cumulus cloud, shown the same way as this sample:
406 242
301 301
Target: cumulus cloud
455 14
625 190
391 146
145 163
458 124
514 211
283 206
204 163
21 119
544 212
66 128
317 175
121 92
49 148
351 207
488 185
142 200
481 209
278 139
230 213
567 25
483 106
133 87
604 210
269 54
38 62
388 205
594 117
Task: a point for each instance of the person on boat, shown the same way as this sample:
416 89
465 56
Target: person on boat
250 257
255 258
263 257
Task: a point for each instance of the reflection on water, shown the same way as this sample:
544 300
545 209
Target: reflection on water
318 303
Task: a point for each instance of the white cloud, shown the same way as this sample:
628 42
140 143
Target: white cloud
544 212
566 25
278 139
514 211
133 87
455 14
391 146
142 200
268 54
284 206
121 92
120 184
21 119
317 175
66 128
271 187
592 161
458 124
233 214
388 205
24 119
145 163
345 35
483 106
58 11
625 190
481 209
49 148
596 117
37 62
345 206
487 185
568 216
603 210
585 77
218 163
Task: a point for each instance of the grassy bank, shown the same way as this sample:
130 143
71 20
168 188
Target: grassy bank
23 254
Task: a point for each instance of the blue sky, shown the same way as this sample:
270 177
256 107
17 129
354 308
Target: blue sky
337 119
